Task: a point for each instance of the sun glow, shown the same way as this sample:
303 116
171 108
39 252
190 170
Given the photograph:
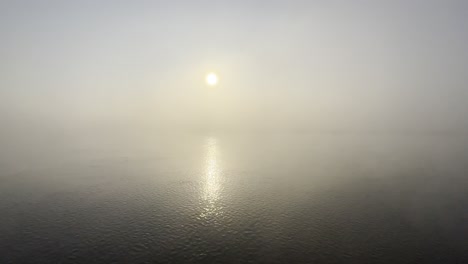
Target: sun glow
212 79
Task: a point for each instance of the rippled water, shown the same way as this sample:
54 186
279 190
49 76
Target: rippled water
235 199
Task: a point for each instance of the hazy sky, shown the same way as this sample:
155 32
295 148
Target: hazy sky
302 64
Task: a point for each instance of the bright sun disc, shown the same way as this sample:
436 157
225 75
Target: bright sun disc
212 79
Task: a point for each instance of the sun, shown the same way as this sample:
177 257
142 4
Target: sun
212 79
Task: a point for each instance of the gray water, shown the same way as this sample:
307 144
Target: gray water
296 198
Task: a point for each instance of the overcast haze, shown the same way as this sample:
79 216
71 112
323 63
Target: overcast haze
243 131
307 65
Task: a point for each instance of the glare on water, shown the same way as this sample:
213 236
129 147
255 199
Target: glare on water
211 182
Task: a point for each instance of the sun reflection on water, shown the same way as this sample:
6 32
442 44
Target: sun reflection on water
211 185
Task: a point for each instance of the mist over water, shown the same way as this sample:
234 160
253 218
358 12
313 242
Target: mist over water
334 132
268 198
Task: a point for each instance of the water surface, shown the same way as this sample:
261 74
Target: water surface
211 198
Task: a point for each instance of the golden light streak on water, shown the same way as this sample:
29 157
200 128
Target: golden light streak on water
211 192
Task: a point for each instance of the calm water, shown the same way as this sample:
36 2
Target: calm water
234 199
